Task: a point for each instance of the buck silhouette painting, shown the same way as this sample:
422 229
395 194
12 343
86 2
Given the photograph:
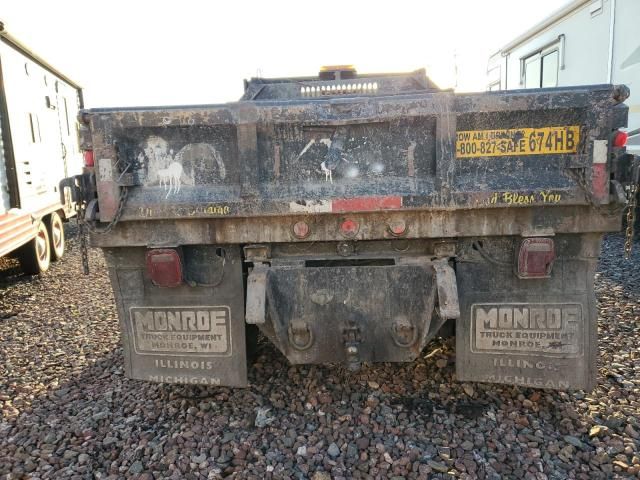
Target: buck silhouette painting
171 171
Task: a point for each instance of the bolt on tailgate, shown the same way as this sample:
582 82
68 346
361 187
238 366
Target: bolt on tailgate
420 150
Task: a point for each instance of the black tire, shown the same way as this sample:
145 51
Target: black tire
35 256
56 236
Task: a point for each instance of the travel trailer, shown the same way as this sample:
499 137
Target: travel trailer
38 148
584 43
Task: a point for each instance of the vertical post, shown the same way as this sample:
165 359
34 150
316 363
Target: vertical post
106 169
445 145
247 137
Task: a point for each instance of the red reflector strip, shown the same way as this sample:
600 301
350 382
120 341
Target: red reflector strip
88 158
365 204
599 181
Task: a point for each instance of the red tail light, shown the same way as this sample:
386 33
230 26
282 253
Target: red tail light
88 158
164 267
349 228
620 139
536 257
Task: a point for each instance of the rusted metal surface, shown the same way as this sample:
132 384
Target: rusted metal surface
364 212
432 224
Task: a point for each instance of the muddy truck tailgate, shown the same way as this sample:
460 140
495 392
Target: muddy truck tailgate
426 152
353 220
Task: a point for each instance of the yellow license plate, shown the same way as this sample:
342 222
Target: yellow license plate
517 141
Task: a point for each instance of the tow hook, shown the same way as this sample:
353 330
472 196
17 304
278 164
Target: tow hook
352 338
300 335
404 333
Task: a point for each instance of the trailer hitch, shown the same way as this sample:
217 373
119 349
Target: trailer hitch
352 337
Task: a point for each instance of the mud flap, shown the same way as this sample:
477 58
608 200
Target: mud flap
191 334
535 333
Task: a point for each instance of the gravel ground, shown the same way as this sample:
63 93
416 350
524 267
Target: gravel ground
68 411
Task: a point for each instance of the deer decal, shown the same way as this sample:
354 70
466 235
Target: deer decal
170 177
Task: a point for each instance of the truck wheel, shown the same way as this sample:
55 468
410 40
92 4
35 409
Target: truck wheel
35 256
56 236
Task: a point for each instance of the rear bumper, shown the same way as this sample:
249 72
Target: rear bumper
431 224
350 314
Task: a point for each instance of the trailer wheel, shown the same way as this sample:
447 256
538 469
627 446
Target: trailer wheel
35 256
56 236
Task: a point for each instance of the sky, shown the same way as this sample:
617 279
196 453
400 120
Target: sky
142 52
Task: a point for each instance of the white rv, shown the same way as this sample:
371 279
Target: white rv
38 148
585 42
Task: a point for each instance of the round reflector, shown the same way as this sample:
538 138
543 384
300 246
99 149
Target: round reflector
349 227
301 229
397 227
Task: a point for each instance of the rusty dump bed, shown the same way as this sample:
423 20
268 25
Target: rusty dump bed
352 218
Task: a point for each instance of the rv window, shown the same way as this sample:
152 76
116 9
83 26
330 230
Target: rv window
550 69
541 69
532 71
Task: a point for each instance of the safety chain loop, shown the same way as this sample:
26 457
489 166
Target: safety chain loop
632 205
82 233
124 192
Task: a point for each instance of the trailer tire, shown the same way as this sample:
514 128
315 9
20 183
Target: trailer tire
56 236
35 256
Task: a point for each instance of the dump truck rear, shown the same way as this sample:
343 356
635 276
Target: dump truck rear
352 218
